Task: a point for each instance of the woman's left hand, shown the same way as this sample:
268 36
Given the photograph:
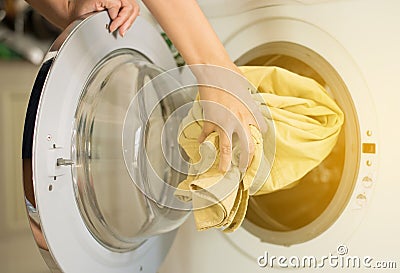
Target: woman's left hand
122 12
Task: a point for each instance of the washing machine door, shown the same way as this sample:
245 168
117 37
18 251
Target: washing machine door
100 194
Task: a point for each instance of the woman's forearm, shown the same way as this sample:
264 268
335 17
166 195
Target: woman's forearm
55 11
189 30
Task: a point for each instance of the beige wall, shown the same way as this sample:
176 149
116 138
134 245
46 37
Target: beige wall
18 252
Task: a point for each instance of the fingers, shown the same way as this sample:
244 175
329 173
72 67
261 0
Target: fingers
123 13
128 23
113 13
228 113
225 150
242 129
225 144
247 148
112 7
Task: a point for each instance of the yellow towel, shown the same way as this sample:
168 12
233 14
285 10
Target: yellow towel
304 123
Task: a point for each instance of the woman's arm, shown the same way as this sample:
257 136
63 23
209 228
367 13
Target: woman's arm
55 11
191 33
62 12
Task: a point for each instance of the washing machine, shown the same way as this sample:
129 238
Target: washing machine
92 201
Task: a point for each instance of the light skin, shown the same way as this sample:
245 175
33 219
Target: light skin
189 30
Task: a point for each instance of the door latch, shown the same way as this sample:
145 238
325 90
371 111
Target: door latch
64 162
56 163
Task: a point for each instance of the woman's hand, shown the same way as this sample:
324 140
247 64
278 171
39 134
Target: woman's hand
228 109
63 12
122 12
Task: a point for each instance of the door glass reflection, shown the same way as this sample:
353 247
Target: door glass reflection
115 211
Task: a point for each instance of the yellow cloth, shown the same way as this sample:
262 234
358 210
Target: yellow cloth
304 123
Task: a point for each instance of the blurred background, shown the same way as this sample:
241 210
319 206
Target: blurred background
25 37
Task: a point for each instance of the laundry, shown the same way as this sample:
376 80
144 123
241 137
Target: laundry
303 126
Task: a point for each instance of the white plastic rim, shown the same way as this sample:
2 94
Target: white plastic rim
71 244
312 37
218 8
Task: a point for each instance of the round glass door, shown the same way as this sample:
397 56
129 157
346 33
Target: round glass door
115 209
89 215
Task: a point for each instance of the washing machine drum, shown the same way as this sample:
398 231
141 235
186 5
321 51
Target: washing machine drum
101 193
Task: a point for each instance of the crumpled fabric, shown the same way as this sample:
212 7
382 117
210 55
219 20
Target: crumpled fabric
303 126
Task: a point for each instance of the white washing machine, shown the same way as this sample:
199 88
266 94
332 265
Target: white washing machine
347 206
88 216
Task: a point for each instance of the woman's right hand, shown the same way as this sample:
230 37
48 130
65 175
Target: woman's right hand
228 110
